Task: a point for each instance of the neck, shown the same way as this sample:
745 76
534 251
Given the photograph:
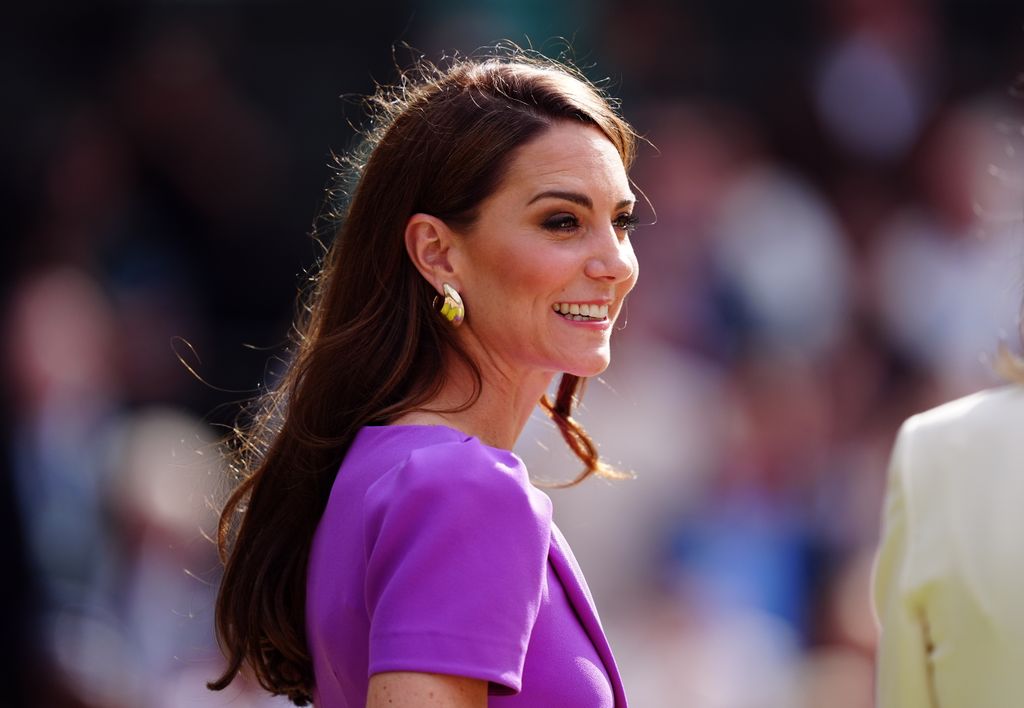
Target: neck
500 412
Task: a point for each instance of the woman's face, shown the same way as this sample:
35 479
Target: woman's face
545 268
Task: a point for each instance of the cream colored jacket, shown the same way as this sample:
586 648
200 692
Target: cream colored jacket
949 576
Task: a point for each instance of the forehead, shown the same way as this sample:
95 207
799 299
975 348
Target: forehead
569 155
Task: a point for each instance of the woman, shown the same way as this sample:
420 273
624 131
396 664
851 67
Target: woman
949 576
485 249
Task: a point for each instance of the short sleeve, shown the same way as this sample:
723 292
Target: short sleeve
456 552
903 674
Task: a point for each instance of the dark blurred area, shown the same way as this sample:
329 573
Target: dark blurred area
838 194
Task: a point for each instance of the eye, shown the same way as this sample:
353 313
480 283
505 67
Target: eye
626 222
561 222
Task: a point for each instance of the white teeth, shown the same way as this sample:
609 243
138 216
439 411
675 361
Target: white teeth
579 312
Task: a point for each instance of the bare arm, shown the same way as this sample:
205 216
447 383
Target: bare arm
409 689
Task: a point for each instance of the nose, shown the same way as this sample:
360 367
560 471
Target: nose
613 261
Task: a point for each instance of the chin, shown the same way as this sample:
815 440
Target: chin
591 366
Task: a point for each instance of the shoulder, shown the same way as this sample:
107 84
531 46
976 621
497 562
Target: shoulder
967 422
968 444
467 463
458 478
477 470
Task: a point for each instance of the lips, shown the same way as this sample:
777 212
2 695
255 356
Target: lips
581 312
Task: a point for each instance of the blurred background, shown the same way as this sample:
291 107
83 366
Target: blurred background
838 245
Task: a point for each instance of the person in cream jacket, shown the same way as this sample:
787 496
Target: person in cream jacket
948 584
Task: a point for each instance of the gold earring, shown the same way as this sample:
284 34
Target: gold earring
452 308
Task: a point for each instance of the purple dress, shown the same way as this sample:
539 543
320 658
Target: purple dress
436 554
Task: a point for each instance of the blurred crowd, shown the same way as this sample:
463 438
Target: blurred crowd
832 241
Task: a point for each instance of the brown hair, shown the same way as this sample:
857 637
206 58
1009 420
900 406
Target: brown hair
367 344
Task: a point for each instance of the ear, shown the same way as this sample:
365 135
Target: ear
430 244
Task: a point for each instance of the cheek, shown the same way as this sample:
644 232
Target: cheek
530 273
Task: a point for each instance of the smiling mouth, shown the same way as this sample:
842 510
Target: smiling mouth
581 313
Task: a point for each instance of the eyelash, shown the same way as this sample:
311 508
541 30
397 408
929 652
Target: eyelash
567 222
627 222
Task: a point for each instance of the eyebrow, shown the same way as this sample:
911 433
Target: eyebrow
576 198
